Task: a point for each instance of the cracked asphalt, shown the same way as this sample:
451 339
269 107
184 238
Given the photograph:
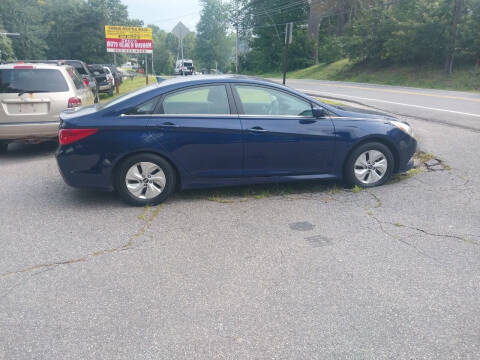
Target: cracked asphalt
305 272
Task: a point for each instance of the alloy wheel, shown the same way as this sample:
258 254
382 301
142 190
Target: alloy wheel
145 180
370 167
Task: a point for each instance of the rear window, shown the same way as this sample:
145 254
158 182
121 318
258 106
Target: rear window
32 80
79 68
97 71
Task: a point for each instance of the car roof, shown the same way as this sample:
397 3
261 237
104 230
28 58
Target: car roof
36 65
205 79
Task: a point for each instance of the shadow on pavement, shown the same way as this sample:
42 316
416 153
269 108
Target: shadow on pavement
20 151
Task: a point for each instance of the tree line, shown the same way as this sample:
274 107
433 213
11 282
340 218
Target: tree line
438 32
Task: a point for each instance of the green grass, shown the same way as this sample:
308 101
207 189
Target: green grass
129 85
464 78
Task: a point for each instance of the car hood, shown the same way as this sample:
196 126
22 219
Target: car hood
360 113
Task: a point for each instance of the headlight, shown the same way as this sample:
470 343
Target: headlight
402 126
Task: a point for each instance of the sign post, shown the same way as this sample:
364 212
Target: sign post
180 31
129 39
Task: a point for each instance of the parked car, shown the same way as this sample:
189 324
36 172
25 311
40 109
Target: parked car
116 72
32 97
81 68
104 86
110 77
87 76
225 130
184 67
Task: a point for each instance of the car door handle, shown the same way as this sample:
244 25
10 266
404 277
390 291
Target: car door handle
168 124
257 129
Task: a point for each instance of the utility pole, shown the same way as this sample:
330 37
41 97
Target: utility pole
236 48
236 35
288 41
181 46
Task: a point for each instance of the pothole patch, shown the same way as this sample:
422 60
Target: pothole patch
302 226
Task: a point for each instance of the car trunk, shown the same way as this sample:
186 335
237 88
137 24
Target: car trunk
30 107
28 95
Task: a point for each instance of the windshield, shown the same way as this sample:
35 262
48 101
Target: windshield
31 80
128 96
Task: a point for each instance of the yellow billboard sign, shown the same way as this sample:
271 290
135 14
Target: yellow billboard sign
128 39
128 32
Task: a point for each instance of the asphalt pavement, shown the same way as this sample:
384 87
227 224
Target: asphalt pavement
309 271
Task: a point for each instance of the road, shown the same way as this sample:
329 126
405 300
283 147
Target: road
307 271
450 107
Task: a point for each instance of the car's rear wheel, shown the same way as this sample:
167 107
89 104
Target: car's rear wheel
145 179
370 164
3 147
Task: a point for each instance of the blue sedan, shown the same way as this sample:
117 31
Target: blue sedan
212 131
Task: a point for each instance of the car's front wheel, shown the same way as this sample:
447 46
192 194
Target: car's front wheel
145 179
370 164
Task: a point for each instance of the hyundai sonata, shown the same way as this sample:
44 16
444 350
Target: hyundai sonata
221 131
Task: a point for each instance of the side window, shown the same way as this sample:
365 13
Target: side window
144 109
257 100
79 84
209 100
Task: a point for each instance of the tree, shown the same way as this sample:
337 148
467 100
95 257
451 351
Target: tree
6 49
213 45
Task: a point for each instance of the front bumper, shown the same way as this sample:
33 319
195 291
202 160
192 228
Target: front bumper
408 147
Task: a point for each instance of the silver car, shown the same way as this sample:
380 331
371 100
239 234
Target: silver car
32 97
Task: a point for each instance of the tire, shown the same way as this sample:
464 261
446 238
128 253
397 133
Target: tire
150 190
369 165
96 100
3 147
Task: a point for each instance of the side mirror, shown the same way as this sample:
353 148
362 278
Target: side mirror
319 112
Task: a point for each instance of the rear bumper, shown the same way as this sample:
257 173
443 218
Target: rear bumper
84 171
29 131
104 87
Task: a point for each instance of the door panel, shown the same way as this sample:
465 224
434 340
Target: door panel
196 127
287 146
203 146
281 137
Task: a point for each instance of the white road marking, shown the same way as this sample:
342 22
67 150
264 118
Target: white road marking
416 93
340 96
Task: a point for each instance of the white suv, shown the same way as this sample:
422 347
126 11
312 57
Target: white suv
32 96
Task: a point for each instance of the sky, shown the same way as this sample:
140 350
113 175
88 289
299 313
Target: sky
165 13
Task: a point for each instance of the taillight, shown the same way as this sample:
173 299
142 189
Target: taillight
74 102
85 81
68 136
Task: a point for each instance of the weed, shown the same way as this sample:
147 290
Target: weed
357 189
